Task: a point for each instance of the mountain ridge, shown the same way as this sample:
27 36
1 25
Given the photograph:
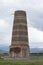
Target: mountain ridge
5 49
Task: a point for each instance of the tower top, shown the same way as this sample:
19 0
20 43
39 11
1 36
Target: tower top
20 12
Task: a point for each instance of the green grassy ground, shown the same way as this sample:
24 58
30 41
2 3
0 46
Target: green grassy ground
39 60
21 62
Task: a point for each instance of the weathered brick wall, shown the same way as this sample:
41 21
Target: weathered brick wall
19 35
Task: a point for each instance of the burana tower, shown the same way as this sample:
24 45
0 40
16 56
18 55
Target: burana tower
19 45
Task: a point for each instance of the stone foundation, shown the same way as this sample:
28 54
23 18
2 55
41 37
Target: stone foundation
19 51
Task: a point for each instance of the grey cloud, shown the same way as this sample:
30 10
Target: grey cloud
5 37
36 19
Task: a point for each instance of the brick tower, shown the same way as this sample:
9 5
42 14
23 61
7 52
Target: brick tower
19 45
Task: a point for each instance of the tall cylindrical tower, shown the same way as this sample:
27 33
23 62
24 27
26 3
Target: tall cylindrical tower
19 45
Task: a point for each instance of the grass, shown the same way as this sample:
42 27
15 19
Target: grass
21 62
39 61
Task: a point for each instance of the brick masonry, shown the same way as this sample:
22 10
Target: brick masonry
19 44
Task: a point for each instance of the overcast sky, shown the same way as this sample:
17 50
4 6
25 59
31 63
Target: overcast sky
34 12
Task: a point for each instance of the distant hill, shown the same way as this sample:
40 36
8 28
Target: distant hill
5 49
36 50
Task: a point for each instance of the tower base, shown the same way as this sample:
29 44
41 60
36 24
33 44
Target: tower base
19 51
